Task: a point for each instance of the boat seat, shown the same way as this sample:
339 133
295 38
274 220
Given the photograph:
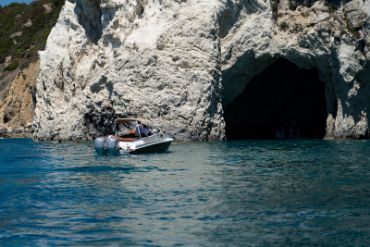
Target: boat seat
126 139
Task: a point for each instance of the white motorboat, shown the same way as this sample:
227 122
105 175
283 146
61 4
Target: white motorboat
139 140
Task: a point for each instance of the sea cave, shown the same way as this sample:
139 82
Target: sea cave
283 101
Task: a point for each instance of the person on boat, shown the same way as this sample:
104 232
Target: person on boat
146 130
142 130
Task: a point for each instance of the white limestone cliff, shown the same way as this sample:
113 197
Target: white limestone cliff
179 63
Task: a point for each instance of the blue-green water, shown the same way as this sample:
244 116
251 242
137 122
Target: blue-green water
252 193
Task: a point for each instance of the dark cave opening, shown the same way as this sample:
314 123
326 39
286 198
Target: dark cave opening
283 101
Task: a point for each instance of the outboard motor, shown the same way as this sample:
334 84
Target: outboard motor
112 145
100 145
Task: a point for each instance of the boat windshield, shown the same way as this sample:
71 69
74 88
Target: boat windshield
132 128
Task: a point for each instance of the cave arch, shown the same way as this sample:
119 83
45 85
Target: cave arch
283 101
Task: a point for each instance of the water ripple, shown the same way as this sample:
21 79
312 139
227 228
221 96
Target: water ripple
252 193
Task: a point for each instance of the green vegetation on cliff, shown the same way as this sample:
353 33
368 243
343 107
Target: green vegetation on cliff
24 29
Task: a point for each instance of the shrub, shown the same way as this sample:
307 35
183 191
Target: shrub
12 66
33 38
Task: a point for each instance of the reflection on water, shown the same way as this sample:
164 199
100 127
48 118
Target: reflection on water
232 193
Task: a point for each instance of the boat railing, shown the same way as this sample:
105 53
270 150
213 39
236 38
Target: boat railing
154 138
151 139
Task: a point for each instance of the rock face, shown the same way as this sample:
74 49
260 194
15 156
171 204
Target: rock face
17 102
24 29
180 63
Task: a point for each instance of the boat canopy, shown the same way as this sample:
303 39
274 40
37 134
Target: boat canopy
131 120
126 120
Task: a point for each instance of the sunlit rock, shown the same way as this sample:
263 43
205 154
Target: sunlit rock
181 64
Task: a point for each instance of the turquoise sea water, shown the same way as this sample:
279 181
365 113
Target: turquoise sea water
247 193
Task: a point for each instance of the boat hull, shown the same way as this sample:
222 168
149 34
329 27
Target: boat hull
152 148
111 145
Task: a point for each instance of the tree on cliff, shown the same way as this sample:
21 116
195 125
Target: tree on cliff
24 29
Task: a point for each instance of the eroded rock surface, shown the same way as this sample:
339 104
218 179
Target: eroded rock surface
17 102
24 29
179 63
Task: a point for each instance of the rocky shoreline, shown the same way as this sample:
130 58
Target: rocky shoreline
25 132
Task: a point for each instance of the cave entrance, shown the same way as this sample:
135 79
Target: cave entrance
283 101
